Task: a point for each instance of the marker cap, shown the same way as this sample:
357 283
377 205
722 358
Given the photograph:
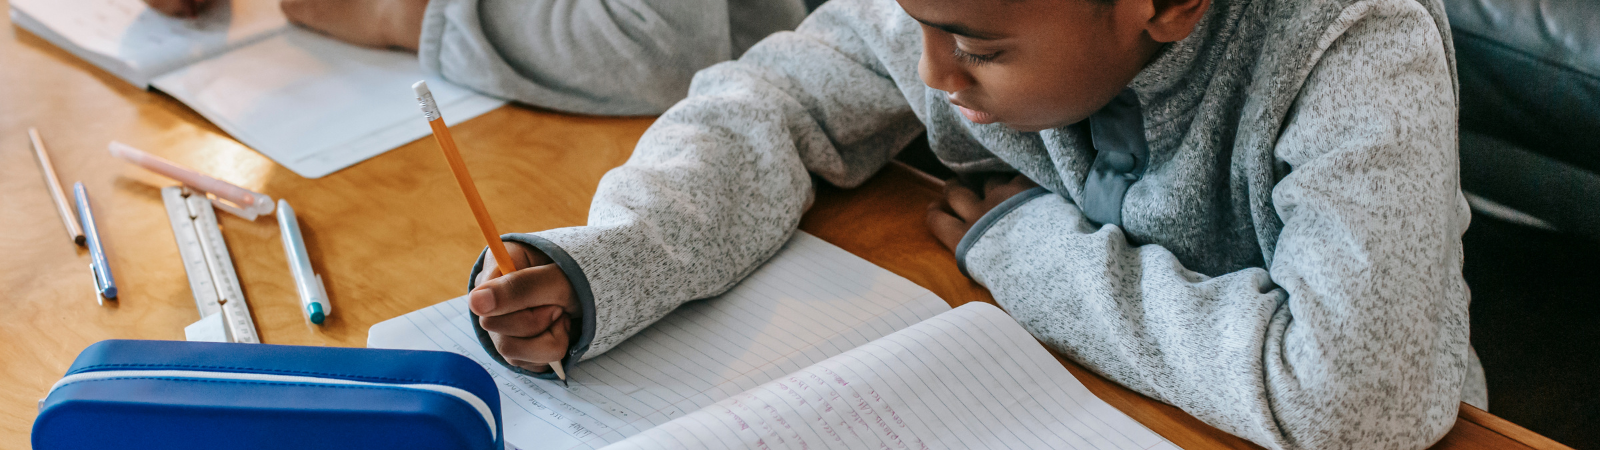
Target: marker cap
314 310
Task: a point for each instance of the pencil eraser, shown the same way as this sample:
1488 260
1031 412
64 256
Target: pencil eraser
425 100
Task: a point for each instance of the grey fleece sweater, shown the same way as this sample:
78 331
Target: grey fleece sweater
609 57
1287 268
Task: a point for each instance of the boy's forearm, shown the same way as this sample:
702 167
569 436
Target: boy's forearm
719 182
1286 366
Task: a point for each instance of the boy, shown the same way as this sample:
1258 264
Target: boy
1248 209
582 56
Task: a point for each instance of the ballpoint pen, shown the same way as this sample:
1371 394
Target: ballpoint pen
104 285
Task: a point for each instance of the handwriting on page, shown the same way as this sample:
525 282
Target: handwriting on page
969 378
811 301
839 411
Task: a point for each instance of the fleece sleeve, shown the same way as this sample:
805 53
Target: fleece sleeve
719 182
1355 335
608 57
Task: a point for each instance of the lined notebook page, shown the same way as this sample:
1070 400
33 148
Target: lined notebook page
968 378
809 302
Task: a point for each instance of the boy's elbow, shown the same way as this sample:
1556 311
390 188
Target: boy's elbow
1376 414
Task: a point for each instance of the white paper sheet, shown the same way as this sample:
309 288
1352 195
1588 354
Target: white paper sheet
811 301
313 104
969 378
316 105
137 43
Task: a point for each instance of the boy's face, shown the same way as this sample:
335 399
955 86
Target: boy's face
1032 64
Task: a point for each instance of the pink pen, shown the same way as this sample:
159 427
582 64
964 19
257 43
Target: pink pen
240 201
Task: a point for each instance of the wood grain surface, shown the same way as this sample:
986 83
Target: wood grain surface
389 235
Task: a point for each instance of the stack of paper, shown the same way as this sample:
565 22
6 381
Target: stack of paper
311 103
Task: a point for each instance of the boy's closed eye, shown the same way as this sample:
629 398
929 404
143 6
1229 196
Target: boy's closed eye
976 56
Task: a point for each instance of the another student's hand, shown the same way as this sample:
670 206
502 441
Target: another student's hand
529 314
371 23
951 217
179 8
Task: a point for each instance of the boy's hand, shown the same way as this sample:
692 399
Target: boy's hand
179 8
529 314
370 23
951 217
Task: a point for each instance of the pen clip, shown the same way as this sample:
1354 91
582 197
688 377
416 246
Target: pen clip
322 293
99 286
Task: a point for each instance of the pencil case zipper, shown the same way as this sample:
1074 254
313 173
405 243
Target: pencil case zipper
460 394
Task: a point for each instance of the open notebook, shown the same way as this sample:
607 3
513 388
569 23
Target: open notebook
816 349
311 103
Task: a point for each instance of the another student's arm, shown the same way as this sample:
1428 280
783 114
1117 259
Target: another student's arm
1354 336
610 57
719 182
372 23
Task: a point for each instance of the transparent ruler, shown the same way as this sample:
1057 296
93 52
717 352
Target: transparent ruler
224 316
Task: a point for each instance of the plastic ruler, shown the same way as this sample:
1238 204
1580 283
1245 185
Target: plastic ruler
224 315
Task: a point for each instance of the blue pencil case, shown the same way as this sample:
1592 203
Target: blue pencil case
190 395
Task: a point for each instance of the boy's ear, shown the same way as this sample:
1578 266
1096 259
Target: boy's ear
1175 19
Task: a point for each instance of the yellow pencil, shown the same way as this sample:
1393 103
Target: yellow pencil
441 133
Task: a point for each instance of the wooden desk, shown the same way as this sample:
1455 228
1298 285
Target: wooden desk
390 235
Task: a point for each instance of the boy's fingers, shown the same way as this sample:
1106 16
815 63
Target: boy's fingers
1002 192
525 256
947 228
489 272
992 182
524 323
963 201
531 367
1018 184
998 189
500 345
536 353
527 288
522 256
1024 181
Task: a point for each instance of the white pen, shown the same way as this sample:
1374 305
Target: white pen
313 295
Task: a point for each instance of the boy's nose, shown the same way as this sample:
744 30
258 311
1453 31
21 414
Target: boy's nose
938 67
